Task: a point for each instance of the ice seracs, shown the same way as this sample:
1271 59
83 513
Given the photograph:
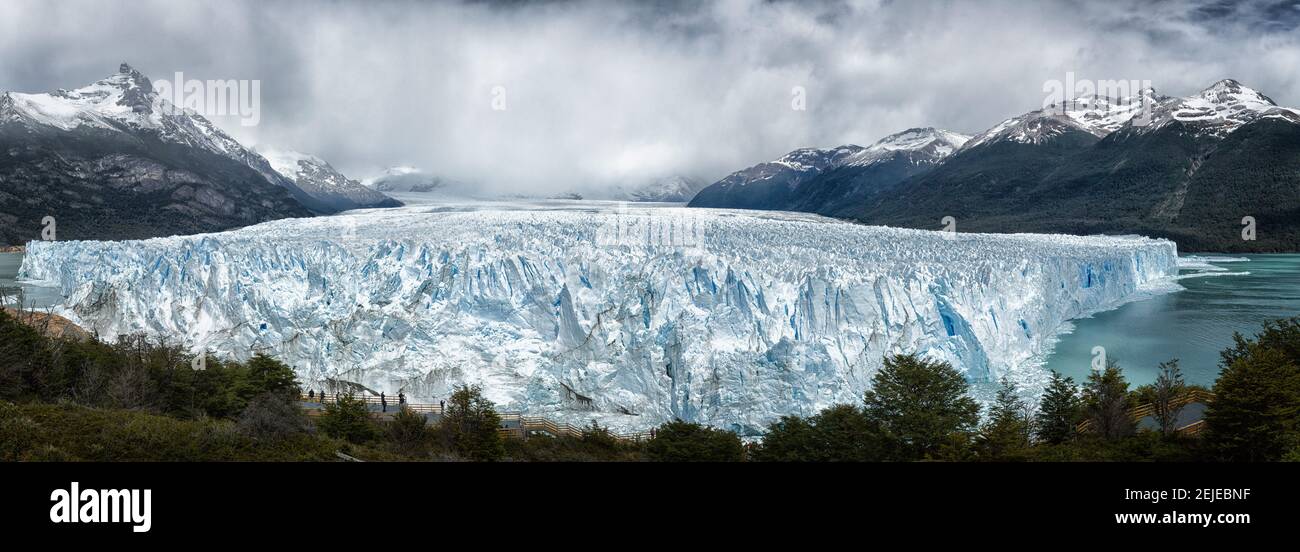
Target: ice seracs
751 316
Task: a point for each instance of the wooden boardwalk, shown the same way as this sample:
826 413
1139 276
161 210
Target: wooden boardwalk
1190 421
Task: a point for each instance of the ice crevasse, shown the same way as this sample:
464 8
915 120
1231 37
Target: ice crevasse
759 315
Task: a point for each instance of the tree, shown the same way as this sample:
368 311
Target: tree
1256 409
272 416
408 432
264 374
839 433
919 406
790 439
1106 403
679 441
470 425
1059 411
348 418
1006 433
1167 395
599 437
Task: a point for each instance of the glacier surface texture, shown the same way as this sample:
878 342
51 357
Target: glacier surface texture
581 311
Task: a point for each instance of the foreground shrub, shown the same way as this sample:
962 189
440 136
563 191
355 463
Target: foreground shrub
70 432
920 407
840 433
408 433
348 418
470 425
272 416
1255 415
680 441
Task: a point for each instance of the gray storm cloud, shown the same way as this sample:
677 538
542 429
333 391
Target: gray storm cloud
602 93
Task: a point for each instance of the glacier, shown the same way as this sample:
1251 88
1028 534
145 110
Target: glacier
629 315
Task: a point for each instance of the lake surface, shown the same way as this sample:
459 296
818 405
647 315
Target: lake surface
1191 325
34 297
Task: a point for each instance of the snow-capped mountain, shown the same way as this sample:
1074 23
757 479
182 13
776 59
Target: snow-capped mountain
672 189
919 145
1218 110
115 159
1094 115
123 102
774 184
126 102
585 312
406 179
814 180
1186 168
316 177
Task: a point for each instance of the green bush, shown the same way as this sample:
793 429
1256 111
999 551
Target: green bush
596 444
920 407
679 441
71 432
470 426
273 416
1255 415
408 433
348 418
840 433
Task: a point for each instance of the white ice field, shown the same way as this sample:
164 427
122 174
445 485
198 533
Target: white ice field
630 315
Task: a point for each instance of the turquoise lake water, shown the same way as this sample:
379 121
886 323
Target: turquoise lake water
34 296
1192 325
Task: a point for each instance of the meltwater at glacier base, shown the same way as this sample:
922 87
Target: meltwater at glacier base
727 318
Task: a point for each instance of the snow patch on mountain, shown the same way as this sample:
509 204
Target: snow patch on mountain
124 102
127 102
407 179
1216 111
316 177
1220 109
807 160
671 189
928 145
766 314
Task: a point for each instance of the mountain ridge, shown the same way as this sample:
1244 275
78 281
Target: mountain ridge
1095 165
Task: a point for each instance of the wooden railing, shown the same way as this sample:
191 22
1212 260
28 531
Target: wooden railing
1149 409
513 424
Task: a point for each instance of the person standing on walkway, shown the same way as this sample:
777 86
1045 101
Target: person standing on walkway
442 406
383 402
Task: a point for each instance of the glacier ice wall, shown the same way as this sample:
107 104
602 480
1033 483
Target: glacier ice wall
760 315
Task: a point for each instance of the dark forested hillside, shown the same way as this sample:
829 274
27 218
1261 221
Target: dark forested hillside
1168 183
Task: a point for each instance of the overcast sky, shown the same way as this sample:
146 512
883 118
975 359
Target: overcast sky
601 92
